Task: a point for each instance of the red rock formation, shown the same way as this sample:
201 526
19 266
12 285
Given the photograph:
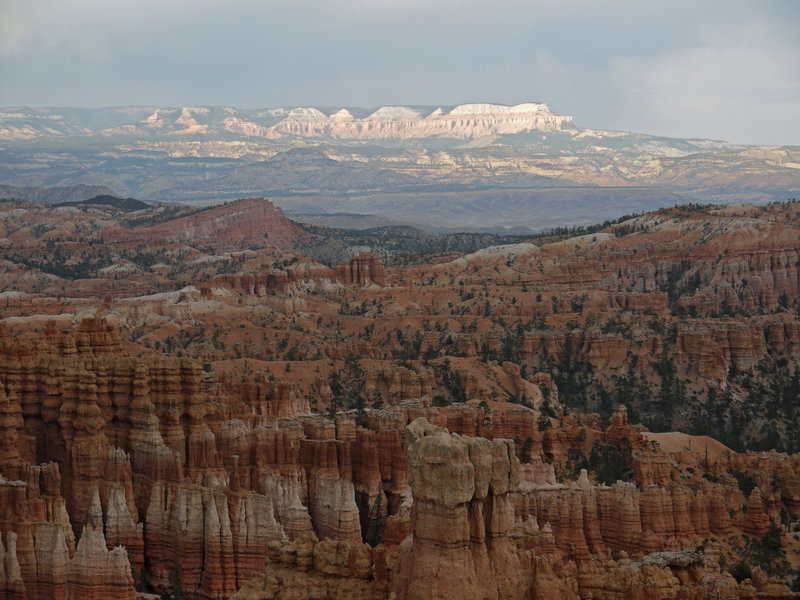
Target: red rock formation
619 429
757 522
333 509
279 399
259 284
309 568
95 335
237 224
220 481
95 571
710 351
461 517
11 426
122 528
37 563
11 582
394 384
605 352
362 270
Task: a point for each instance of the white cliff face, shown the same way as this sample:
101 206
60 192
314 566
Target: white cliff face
467 121
306 114
394 113
498 109
397 122
342 115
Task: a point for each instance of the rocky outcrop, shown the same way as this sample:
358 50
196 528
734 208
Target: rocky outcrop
41 561
362 270
279 399
619 429
588 520
309 568
334 511
189 531
95 571
461 518
238 224
255 284
393 384
710 351
757 522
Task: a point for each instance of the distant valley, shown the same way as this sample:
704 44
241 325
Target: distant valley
479 167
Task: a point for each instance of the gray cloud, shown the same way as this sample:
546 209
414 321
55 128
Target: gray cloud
716 69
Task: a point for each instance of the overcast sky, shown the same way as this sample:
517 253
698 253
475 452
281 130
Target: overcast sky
725 69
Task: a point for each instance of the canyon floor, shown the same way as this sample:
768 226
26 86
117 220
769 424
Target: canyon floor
192 406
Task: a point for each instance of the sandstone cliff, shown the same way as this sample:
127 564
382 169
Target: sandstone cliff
395 122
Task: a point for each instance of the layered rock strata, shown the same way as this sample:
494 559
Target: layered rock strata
133 453
461 518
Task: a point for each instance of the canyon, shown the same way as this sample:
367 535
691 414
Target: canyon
191 407
258 497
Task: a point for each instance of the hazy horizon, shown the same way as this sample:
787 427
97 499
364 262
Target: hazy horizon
719 70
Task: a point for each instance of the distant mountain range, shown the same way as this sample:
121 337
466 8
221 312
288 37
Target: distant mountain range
468 121
474 166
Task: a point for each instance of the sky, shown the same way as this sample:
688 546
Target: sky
727 70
